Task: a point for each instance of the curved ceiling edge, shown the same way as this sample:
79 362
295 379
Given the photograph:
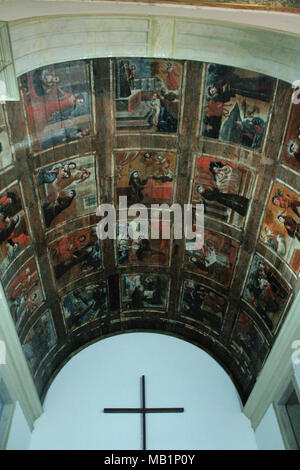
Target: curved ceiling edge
231 367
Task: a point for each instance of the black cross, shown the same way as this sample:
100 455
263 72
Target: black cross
143 411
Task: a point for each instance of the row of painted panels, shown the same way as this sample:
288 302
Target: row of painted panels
264 290
70 190
199 305
148 98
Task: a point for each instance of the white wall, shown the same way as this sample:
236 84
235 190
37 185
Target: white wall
297 371
268 436
19 434
107 374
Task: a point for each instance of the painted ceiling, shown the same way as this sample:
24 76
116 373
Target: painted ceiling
157 131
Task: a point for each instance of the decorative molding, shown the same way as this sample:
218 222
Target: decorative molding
6 415
278 369
162 37
282 415
10 90
15 372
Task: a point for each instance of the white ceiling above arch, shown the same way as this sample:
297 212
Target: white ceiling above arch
41 41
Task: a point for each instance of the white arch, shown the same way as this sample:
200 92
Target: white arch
107 374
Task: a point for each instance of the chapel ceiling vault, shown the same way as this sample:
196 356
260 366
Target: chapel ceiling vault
157 131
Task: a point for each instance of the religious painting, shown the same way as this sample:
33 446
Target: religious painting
280 229
85 305
148 94
14 233
145 177
249 343
75 255
266 292
144 291
6 157
143 250
58 103
203 305
224 188
67 190
216 259
290 154
236 105
24 292
39 341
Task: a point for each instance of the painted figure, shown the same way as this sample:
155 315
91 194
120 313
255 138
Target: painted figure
275 241
58 103
224 188
142 251
235 202
216 259
266 292
147 94
85 305
236 105
224 176
203 304
76 253
144 177
292 227
280 228
24 292
51 174
294 151
68 190
39 341
286 202
52 209
290 154
172 74
14 236
250 343
142 291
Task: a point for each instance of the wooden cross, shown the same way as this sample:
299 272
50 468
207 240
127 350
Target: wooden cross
143 410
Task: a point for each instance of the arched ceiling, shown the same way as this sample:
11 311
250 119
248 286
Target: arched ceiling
74 140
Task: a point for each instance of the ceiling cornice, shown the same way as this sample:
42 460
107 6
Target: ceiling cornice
285 21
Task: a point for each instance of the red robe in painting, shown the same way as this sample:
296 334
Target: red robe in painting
21 283
159 190
21 240
69 245
40 114
172 83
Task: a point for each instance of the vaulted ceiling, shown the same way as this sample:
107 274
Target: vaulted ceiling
156 131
